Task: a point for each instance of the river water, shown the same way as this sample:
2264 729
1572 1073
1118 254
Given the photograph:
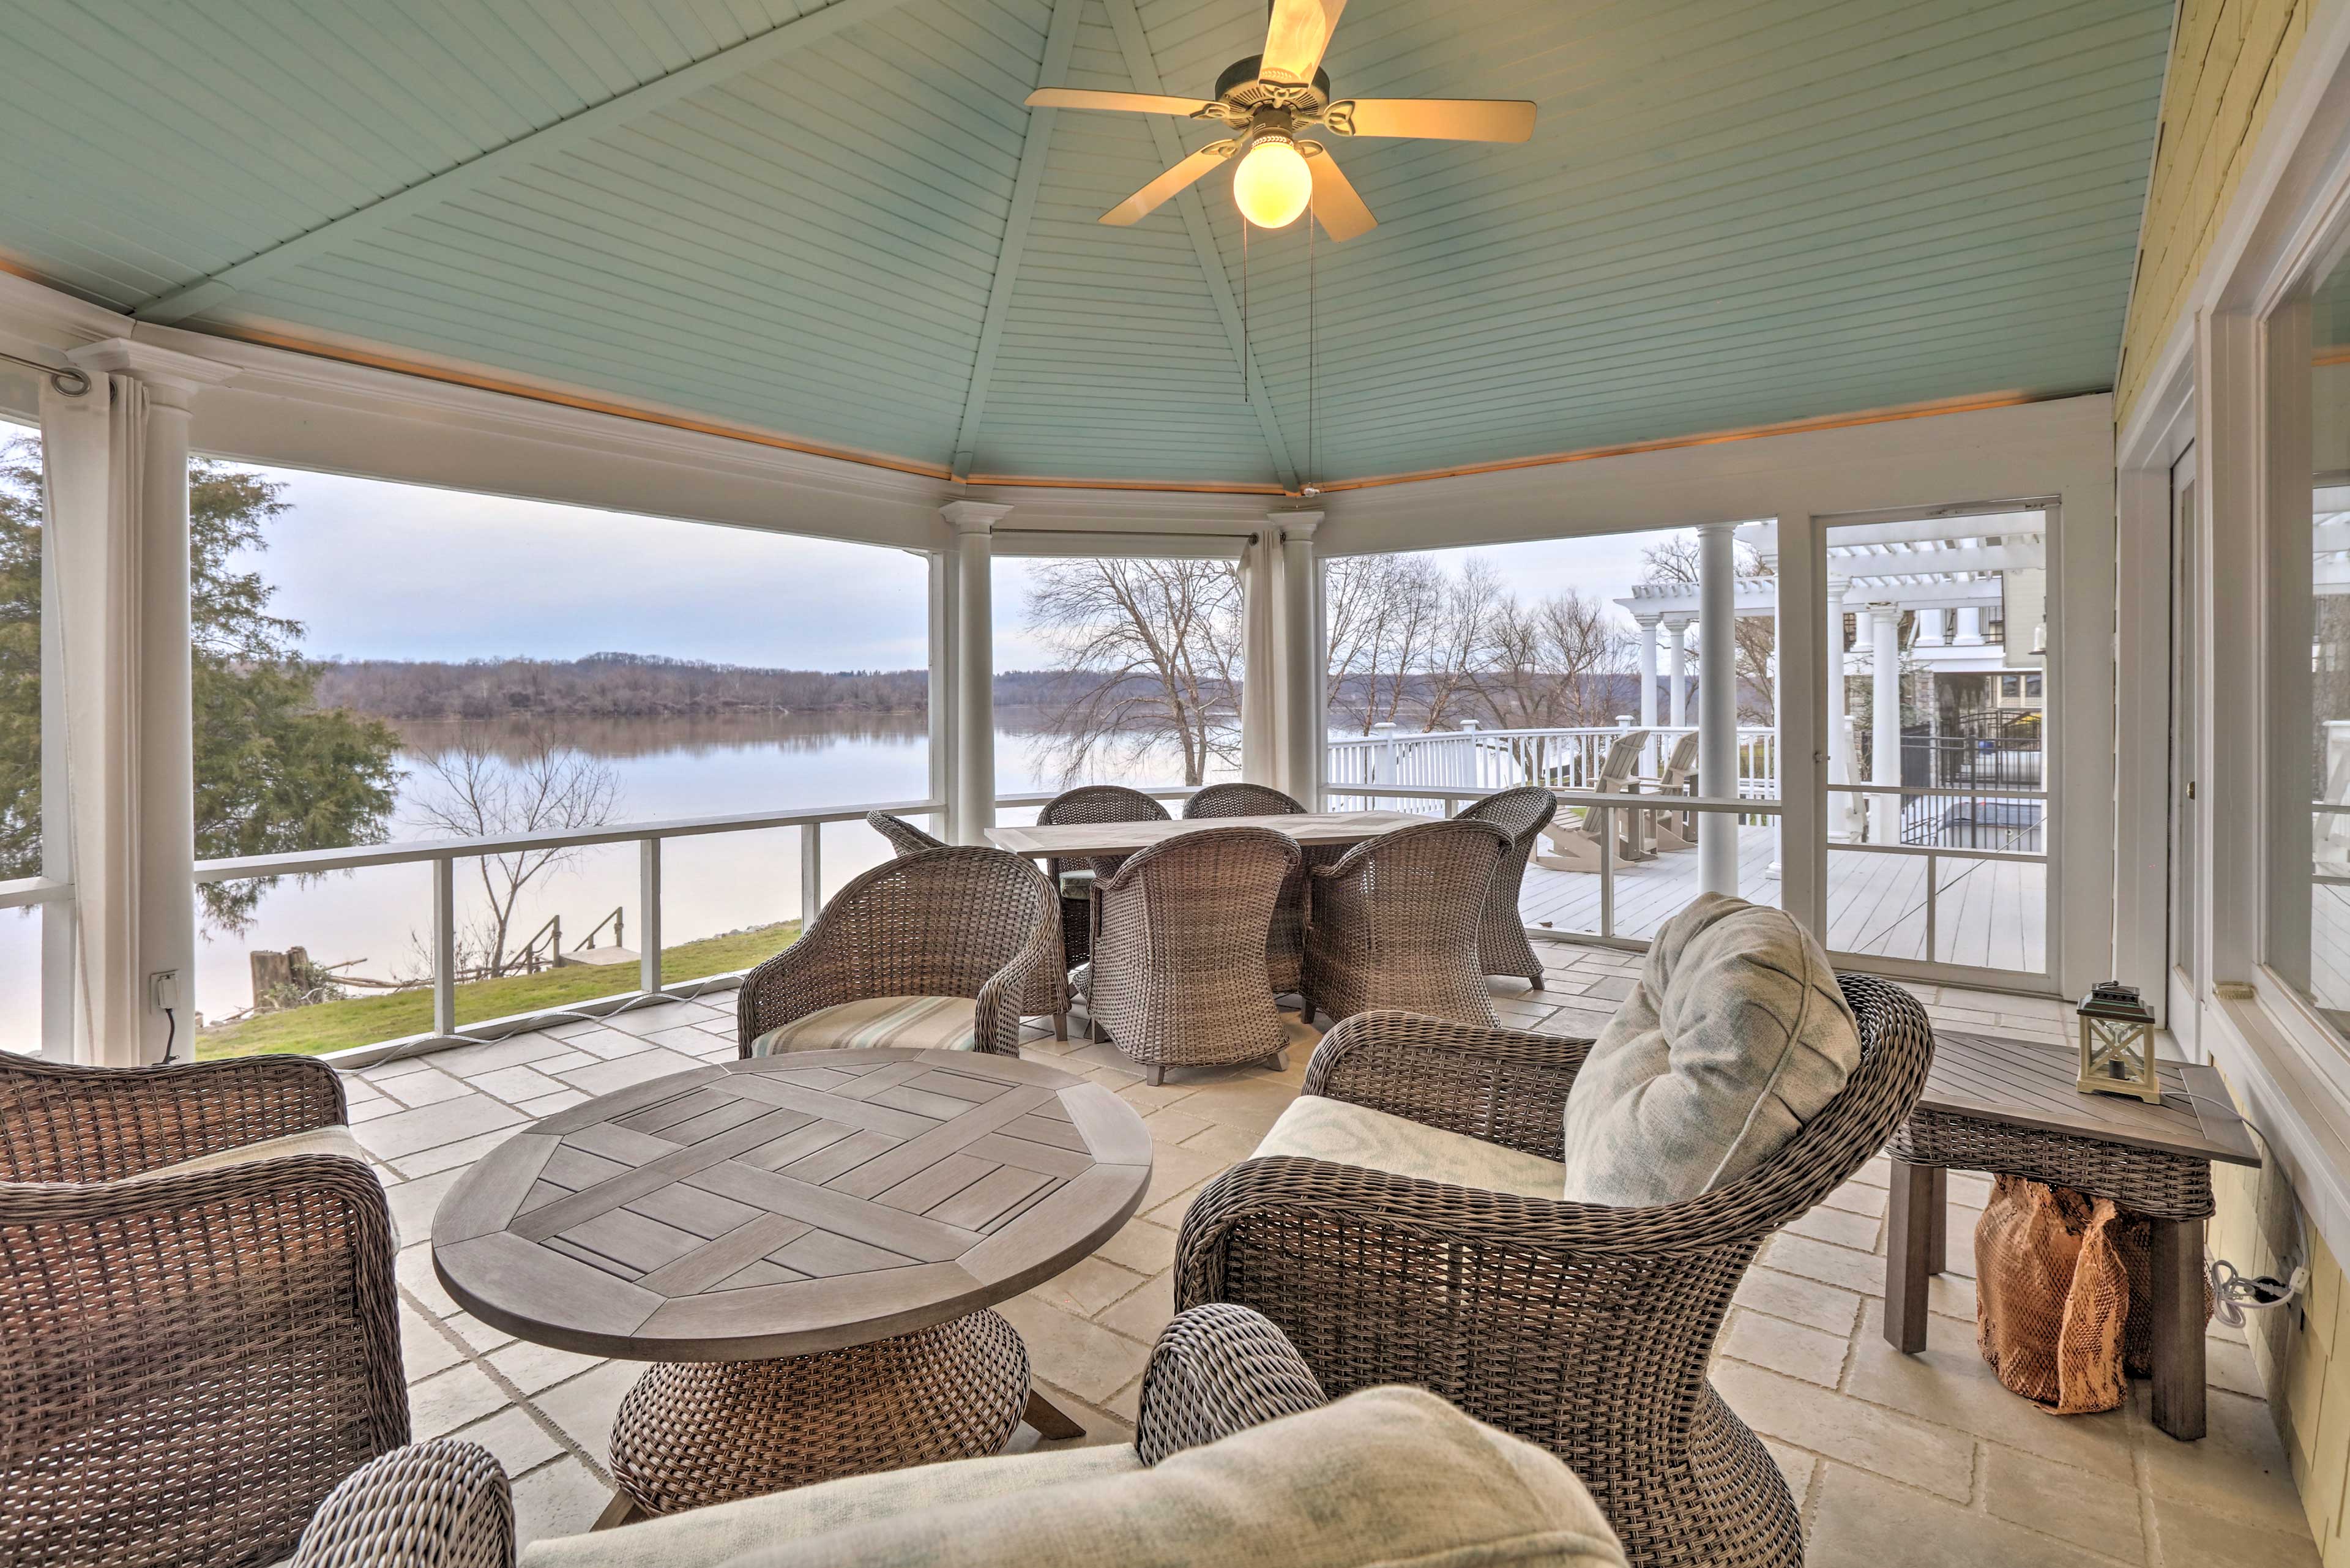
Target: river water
662 768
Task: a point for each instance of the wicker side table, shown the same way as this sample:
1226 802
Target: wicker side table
806 1247
2009 1108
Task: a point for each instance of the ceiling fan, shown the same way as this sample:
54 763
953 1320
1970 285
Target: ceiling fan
1268 99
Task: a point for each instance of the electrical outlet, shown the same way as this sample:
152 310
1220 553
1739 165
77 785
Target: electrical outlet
163 989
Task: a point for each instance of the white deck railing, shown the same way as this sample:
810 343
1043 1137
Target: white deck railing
1483 761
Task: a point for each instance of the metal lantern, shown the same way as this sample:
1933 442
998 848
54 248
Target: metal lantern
2117 1042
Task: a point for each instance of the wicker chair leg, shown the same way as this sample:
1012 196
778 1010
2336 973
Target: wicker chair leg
1154 1076
1279 1060
1096 1032
1060 1026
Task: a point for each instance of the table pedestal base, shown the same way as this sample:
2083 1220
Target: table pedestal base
694 1433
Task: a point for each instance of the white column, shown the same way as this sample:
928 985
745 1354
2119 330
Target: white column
1648 623
154 792
1970 627
1843 812
1260 663
975 666
1717 690
1885 723
942 694
1301 720
1678 630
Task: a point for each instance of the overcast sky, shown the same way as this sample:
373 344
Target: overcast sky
376 570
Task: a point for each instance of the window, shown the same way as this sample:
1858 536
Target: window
2011 686
380 662
31 934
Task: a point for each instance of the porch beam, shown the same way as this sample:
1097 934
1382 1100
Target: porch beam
1035 147
526 151
1135 44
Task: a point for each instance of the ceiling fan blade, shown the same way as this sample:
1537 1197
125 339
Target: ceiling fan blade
1433 119
1336 204
1295 39
1148 199
1126 102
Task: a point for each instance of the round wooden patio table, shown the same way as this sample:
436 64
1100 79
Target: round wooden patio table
806 1247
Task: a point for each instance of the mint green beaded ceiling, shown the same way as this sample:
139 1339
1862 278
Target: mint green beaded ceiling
837 224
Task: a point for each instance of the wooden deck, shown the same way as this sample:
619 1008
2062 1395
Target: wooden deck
1989 914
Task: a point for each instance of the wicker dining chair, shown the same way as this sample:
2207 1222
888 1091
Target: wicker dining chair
1179 975
1585 1329
959 922
1284 950
1501 944
1395 923
1087 804
189 1360
1048 988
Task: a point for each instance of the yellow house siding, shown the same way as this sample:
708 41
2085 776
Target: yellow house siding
2302 1351
2225 58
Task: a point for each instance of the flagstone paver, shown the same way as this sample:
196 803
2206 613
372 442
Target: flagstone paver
1920 1460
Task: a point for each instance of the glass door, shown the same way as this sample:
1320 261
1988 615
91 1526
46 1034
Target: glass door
2186 720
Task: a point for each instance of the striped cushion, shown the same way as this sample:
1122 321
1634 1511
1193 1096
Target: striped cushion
925 1022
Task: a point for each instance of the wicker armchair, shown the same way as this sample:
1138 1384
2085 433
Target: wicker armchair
1048 988
1179 975
1502 945
903 835
447 1504
943 922
190 1361
1284 953
1395 923
1584 1329
1090 803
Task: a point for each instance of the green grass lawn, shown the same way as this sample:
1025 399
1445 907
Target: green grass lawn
363 1020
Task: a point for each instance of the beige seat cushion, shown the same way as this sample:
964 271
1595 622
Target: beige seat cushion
335 1139
924 1022
1387 1476
1735 1035
1343 1133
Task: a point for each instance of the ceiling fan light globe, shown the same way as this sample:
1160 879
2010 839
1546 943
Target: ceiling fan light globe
1272 184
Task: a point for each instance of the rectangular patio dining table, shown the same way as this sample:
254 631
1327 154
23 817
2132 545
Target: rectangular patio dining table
1075 840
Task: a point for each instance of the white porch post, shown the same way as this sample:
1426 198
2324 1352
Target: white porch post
1843 811
1648 623
1970 627
1260 662
1301 721
1885 723
1677 628
1717 690
974 667
137 691
1930 627
943 695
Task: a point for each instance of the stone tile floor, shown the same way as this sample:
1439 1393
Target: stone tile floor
1919 1460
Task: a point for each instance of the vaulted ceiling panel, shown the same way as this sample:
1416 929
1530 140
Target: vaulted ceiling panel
835 220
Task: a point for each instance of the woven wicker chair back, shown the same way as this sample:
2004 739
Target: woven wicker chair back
1395 923
1181 973
1501 944
903 835
1099 803
1239 800
938 922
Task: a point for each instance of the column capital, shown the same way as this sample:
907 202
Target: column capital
1294 525
173 378
1678 621
1647 623
974 516
1728 529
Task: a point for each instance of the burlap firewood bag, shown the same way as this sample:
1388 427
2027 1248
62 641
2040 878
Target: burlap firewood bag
2053 1294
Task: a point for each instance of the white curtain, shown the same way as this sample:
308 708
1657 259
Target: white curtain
93 459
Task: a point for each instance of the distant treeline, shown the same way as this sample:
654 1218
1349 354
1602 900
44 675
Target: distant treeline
633 685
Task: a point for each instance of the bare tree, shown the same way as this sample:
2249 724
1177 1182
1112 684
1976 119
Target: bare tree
475 792
1675 560
1152 652
1403 638
1555 663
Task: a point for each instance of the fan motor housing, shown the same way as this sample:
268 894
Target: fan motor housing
1241 87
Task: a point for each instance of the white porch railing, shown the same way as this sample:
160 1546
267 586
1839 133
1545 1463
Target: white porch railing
1483 761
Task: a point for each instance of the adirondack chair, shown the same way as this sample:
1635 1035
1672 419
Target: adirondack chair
1671 830
1575 846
